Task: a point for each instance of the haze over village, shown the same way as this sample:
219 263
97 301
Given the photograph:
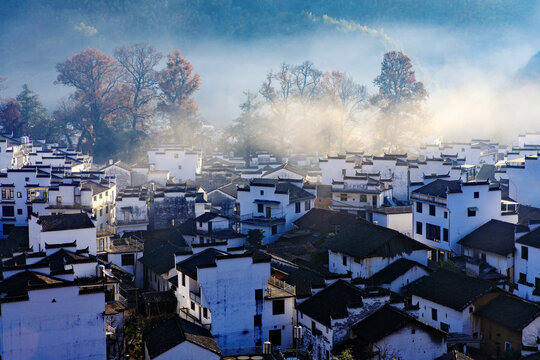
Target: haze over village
270 180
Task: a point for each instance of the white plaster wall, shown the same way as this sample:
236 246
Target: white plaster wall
403 344
73 327
458 321
365 268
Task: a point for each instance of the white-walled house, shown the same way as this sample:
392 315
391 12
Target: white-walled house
179 339
364 249
527 264
328 315
131 209
446 211
447 300
245 304
398 218
390 333
182 162
522 178
335 168
62 229
397 275
394 167
493 243
21 189
52 305
356 194
211 229
120 171
272 206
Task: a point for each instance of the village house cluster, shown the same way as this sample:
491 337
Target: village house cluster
427 255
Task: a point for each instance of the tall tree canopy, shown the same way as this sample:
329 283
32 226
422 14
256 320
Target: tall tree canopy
399 101
397 82
95 77
178 83
10 117
137 63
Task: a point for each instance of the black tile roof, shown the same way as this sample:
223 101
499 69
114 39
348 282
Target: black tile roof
17 240
527 213
207 216
326 221
367 240
332 302
17 286
205 258
175 331
439 188
159 249
304 280
65 222
530 239
392 272
487 172
495 236
450 289
295 193
510 311
387 320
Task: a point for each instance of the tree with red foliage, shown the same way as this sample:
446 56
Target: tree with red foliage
95 77
10 117
399 100
397 83
178 83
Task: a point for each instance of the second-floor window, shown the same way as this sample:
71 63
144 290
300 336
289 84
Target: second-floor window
260 208
297 208
363 198
434 314
278 307
419 228
525 253
433 232
471 212
418 207
343 197
432 210
7 194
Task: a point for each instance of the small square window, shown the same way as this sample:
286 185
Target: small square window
261 192
278 307
19 211
471 212
176 156
260 208
476 194
179 167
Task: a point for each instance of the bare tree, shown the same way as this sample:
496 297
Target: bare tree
137 62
